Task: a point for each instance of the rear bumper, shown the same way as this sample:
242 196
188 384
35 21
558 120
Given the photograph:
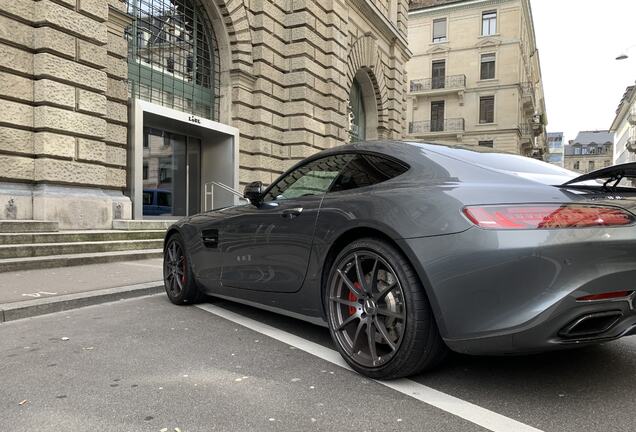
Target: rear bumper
546 335
506 292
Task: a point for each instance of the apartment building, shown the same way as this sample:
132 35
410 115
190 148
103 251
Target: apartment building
589 151
555 148
475 75
624 128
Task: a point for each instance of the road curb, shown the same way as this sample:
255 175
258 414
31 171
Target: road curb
42 306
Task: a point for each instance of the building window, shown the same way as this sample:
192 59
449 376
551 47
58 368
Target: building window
489 144
577 150
486 109
488 66
172 48
590 166
439 74
439 30
145 171
607 163
577 165
358 113
437 116
489 23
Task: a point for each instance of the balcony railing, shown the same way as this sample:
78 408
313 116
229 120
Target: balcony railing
426 127
453 82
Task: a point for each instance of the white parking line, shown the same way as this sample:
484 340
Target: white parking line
468 411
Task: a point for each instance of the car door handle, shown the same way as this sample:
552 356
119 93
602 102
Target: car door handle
292 212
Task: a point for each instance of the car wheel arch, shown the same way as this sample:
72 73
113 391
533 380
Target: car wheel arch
171 231
367 232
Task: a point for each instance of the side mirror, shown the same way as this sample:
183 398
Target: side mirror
254 192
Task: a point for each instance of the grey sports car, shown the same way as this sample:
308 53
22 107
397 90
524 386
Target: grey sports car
406 250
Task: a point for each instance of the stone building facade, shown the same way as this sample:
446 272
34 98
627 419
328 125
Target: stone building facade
475 75
589 151
116 109
624 128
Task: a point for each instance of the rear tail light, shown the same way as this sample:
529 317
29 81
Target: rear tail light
511 217
606 296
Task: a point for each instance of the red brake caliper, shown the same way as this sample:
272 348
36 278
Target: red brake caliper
352 297
183 269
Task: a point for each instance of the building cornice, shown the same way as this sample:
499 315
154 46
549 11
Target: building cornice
369 10
455 6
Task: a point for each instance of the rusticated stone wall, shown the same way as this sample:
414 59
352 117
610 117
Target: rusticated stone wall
63 108
292 64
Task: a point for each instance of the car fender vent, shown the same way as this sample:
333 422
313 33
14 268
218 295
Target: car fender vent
210 238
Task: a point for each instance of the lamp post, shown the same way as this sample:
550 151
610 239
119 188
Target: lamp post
624 55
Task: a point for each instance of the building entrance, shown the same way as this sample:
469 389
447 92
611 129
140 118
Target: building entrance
171 173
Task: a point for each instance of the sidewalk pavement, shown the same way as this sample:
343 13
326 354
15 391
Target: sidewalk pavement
35 292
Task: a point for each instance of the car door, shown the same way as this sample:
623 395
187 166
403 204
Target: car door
267 246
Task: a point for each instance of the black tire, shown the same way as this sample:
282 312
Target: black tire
178 278
398 314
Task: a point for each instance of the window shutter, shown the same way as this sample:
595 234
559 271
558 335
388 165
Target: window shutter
439 30
487 66
487 109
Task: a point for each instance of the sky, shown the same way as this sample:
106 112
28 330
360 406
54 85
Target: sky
578 41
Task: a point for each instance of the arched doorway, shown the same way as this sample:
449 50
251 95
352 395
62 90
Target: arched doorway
173 56
363 112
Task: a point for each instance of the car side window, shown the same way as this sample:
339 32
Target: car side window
313 178
366 170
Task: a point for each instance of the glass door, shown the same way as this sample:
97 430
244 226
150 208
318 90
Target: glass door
194 175
171 173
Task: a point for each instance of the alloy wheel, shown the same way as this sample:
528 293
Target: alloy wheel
367 309
174 270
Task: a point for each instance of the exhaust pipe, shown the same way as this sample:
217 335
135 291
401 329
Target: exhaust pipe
591 324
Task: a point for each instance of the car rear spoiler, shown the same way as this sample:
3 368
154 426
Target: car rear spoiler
613 174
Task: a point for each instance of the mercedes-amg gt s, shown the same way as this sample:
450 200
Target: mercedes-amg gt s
407 250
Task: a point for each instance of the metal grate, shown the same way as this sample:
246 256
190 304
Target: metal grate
173 56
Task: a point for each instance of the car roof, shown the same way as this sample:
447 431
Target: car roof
418 154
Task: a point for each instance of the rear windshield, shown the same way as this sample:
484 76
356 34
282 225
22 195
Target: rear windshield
521 166
514 163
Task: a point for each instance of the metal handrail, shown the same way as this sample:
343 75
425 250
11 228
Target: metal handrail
208 191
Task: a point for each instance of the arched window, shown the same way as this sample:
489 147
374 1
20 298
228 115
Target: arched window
358 113
173 56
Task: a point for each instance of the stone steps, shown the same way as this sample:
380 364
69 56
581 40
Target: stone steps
51 261
28 245
47 249
146 224
27 226
79 236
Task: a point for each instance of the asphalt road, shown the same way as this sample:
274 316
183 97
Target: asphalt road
146 365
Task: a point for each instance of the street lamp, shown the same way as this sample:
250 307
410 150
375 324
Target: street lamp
623 55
